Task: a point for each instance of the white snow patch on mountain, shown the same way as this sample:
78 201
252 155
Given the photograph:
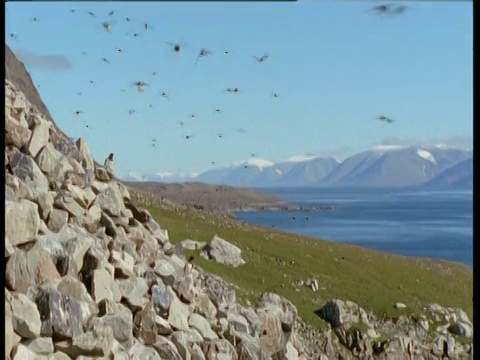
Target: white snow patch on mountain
260 163
300 158
424 154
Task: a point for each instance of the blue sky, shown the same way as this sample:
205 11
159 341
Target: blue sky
335 67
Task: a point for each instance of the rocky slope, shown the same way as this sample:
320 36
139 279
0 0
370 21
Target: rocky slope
90 275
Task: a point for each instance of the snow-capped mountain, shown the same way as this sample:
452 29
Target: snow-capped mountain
458 176
393 166
382 166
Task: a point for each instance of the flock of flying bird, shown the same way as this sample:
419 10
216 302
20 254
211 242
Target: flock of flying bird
109 26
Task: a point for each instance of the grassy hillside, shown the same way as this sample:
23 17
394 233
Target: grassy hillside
374 280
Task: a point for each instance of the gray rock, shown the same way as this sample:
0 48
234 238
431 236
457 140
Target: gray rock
179 313
87 159
204 306
221 251
76 248
199 323
120 319
27 267
145 325
47 158
461 329
45 202
220 349
161 298
70 205
96 342
163 326
196 351
342 313
39 137
192 244
26 319
104 286
16 134
180 339
11 338
111 200
166 271
57 220
40 346
167 349
21 221
61 315
140 351
21 352
25 168
123 263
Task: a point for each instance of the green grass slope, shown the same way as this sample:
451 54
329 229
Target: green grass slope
375 280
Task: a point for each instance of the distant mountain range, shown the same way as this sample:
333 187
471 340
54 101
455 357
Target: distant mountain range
429 167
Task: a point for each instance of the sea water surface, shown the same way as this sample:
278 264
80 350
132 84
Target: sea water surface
423 224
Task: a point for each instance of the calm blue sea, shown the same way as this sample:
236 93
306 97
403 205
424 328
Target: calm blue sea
423 224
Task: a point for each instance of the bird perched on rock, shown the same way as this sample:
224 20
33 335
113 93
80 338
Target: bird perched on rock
189 265
108 162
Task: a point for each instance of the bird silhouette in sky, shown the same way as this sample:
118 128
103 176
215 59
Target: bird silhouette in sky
385 119
261 59
140 85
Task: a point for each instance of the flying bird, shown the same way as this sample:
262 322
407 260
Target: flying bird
165 95
107 26
203 53
36 19
385 119
261 59
91 14
175 46
78 112
105 60
119 50
140 85
111 13
128 19
275 95
388 9
232 90
131 112
188 137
